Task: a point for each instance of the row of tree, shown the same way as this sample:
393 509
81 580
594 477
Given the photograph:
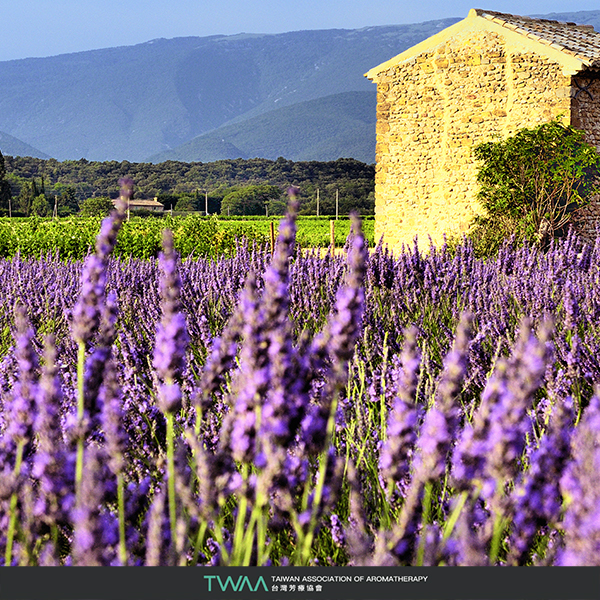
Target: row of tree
235 187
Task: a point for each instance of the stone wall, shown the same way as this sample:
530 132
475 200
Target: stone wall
433 109
585 114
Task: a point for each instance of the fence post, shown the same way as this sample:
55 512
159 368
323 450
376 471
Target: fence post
332 235
272 232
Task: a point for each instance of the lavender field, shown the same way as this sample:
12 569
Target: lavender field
301 409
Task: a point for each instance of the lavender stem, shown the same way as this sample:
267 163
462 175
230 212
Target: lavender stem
13 506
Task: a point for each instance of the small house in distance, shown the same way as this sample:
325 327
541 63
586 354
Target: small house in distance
152 205
485 76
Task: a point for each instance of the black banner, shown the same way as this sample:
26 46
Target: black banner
300 583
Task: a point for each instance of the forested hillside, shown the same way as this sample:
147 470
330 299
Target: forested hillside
74 181
340 125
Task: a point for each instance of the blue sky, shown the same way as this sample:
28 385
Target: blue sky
48 27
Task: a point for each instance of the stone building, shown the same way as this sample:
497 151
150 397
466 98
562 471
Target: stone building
151 205
485 76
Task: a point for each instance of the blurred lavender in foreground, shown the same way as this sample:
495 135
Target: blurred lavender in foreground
580 485
409 409
86 314
172 337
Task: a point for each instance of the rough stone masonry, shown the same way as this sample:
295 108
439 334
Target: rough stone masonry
486 76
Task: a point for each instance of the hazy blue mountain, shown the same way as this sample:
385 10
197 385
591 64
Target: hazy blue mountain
129 103
135 102
582 17
336 126
11 146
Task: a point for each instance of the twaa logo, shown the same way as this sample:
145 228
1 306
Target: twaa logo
237 586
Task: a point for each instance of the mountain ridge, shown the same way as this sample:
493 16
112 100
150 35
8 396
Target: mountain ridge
13 146
141 101
339 124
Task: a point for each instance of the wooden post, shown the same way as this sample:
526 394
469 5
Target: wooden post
272 232
55 212
317 202
206 202
332 235
9 207
337 204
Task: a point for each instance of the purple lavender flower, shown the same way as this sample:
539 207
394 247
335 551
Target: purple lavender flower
455 368
337 532
48 401
345 326
274 308
509 424
580 486
243 436
157 530
571 306
432 449
240 428
112 420
171 336
18 435
289 396
343 329
86 314
288 373
471 451
486 456
223 352
401 436
88 546
537 495
406 385
95 363
53 464
440 421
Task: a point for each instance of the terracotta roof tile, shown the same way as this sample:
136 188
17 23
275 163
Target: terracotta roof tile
580 41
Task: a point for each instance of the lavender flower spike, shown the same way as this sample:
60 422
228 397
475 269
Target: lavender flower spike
342 331
580 486
21 409
87 527
508 423
403 419
276 278
95 364
537 495
171 337
86 314
345 326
